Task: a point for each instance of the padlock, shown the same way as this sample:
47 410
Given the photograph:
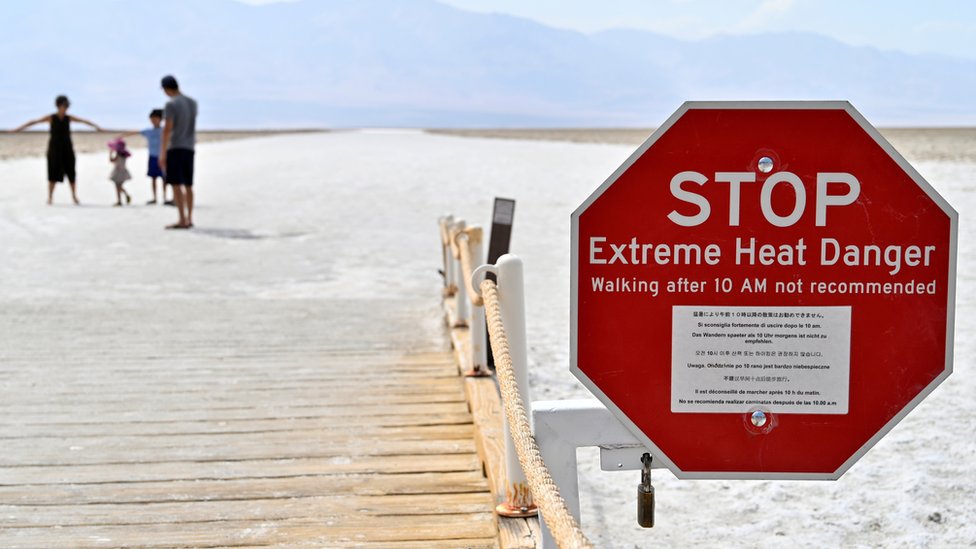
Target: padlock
645 495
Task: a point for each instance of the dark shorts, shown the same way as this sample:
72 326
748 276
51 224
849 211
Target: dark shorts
179 167
154 170
59 166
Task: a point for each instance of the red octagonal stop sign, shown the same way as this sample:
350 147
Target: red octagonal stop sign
763 290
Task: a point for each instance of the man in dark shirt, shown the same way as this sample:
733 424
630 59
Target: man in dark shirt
177 149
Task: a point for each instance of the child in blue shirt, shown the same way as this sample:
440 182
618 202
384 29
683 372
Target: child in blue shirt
153 137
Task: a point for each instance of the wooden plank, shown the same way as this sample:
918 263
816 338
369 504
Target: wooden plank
257 468
55 373
519 533
348 529
131 390
249 425
311 507
469 543
489 433
335 434
209 360
242 413
244 349
254 449
217 403
253 377
237 489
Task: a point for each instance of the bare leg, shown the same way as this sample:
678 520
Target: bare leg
188 200
74 192
50 192
118 194
178 200
153 201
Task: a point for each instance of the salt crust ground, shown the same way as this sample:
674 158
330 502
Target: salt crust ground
351 215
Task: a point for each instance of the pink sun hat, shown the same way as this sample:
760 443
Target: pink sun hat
118 145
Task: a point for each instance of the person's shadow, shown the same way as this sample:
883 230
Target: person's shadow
233 234
242 234
84 205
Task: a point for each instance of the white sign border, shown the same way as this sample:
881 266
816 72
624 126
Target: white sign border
764 105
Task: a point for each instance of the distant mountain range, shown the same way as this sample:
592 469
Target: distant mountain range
425 64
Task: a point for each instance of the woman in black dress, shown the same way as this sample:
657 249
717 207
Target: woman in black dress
60 151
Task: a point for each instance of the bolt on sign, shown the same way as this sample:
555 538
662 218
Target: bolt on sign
763 290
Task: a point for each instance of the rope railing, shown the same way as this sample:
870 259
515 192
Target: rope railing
560 521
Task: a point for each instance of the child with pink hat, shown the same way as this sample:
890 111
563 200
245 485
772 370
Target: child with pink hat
117 153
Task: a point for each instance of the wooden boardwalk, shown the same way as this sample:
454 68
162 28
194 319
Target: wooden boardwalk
223 423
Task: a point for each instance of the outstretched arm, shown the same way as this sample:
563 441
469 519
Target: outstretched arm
83 121
26 125
128 134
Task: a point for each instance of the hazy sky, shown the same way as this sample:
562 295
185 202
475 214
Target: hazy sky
918 26
415 63
939 26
